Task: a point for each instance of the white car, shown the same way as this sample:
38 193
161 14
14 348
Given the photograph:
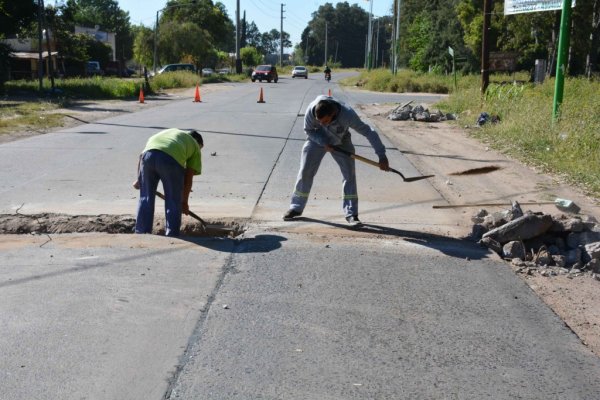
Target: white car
207 71
300 71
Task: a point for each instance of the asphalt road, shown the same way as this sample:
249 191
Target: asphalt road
300 310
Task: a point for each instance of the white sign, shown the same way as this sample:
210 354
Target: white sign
525 6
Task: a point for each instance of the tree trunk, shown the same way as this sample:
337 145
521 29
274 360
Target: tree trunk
592 56
553 48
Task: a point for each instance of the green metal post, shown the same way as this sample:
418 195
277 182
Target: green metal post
561 64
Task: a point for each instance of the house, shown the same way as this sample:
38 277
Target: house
25 58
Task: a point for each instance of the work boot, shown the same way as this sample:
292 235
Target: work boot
291 214
353 220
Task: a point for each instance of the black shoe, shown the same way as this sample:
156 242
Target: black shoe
291 214
353 220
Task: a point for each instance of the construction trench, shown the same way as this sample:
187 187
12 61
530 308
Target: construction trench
48 223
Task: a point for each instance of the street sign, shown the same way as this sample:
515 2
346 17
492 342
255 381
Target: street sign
525 6
451 51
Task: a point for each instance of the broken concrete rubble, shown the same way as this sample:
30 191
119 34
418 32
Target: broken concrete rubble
418 113
541 243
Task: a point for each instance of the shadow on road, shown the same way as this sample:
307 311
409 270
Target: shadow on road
258 244
459 248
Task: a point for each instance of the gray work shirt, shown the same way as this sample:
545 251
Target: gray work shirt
337 132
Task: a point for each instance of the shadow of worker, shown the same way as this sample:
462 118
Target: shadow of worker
258 244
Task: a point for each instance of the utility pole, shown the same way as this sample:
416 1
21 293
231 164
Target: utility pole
377 45
40 57
306 51
326 42
485 51
370 37
281 38
49 49
238 59
397 39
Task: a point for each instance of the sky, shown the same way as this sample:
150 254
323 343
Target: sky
264 13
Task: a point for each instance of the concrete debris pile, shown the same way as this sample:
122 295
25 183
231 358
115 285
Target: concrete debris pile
418 113
541 243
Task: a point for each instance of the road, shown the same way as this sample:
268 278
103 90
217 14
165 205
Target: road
309 309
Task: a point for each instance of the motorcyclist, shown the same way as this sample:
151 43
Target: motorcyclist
327 72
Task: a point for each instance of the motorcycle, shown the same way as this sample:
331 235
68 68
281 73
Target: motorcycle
327 76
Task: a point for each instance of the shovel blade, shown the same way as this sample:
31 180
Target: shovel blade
417 178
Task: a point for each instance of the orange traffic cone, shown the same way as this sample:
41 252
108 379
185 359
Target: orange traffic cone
197 95
329 93
260 98
141 94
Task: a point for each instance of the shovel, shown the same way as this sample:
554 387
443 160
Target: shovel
376 164
190 213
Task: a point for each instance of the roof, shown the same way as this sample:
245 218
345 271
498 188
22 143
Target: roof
31 55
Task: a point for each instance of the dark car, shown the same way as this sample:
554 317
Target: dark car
265 72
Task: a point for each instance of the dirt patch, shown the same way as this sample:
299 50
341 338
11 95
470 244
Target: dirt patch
114 224
444 148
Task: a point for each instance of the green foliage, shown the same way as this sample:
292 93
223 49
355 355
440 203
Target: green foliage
250 56
206 15
184 42
420 37
382 80
569 148
346 32
16 14
108 15
96 87
177 79
4 64
143 46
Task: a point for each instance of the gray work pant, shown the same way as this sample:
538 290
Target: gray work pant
312 154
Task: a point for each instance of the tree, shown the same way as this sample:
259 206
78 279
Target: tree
250 56
346 25
420 36
143 45
108 16
185 42
211 18
16 14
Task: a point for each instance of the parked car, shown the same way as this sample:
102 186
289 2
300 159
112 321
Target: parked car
207 71
265 72
224 71
115 68
92 68
300 71
176 67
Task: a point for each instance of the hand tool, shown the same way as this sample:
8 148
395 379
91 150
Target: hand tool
190 213
376 164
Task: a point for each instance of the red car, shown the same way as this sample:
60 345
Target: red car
265 72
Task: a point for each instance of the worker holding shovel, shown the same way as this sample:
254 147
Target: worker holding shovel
172 156
326 123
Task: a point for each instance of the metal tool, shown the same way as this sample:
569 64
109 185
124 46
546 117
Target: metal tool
376 164
190 213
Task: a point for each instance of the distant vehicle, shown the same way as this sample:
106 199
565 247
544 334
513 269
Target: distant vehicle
207 71
176 67
265 72
115 68
224 71
92 68
300 71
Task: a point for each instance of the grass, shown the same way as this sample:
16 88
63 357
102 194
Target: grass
568 148
32 116
382 80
